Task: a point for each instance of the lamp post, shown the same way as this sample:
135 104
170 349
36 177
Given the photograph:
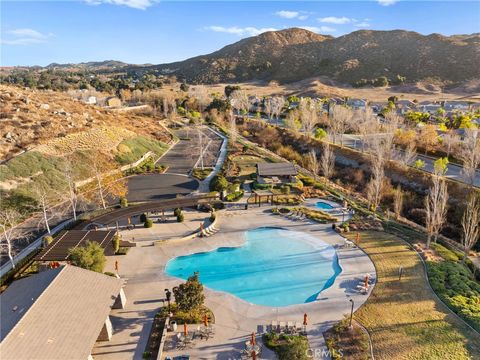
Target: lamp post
351 312
168 295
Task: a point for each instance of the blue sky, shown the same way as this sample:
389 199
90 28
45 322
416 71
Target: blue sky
150 31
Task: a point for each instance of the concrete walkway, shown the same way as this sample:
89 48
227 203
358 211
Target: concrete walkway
205 184
235 319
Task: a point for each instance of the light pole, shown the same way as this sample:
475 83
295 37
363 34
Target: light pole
351 312
168 295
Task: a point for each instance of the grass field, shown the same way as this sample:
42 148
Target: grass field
247 163
130 150
404 318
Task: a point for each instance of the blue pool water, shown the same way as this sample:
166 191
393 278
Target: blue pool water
275 267
323 205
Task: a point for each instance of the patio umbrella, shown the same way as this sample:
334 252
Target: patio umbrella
366 280
205 320
305 319
253 341
185 330
254 355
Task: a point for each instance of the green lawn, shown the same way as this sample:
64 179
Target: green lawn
404 318
247 163
131 150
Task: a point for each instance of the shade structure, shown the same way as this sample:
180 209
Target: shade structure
253 341
185 330
205 320
305 319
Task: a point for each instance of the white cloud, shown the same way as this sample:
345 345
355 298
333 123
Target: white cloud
387 2
136 4
319 30
336 20
362 25
240 31
25 37
288 14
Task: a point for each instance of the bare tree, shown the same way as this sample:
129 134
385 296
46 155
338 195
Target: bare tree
471 224
232 126
469 153
239 101
268 104
436 203
380 149
338 122
364 123
308 115
313 163
46 200
200 93
71 188
277 105
10 233
327 160
398 202
408 155
450 140
292 121
109 181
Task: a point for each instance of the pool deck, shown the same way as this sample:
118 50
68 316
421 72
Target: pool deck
235 319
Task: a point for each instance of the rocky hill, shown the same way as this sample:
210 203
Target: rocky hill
295 54
30 117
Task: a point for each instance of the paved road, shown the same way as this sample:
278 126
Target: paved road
454 171
159 186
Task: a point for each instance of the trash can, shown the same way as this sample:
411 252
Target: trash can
173 325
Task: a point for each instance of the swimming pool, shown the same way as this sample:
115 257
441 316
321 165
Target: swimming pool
324 205
275 267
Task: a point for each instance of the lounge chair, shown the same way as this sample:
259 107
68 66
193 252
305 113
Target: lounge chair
275 327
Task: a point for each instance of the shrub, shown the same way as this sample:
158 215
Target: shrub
116 243
455 285
237 195
286 189
143 217
189 296
47 240
180 217
177 211
445 253
123 202
218 183
109 273
90 257
123 250
148 223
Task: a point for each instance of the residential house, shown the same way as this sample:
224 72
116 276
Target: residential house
276 173
92 100
113 102
58 314
456 106
357 104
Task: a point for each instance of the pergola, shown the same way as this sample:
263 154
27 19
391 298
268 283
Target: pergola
262 194
58 249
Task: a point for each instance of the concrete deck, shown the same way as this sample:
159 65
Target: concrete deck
235 318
